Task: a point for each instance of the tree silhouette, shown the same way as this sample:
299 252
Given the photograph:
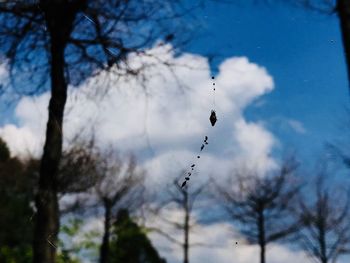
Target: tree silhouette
66 41
260 205
77 171
131 245
117 183
183 197
77 174
121 186
324 217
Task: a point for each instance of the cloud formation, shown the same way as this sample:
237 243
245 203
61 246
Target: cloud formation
169 122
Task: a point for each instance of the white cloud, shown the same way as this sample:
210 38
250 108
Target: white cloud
297 126
21 140
253 136
174 120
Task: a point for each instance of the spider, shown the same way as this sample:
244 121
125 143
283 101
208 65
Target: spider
213 118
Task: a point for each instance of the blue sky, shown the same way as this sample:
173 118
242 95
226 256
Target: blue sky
303 52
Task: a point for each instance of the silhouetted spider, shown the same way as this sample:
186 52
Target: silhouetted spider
213 118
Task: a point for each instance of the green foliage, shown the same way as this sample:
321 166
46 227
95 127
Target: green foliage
64 256
72 228
70 251
89 241
67 253
16 214
131 244
22 254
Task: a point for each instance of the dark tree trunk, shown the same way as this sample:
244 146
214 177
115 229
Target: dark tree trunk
343 10
47 220
186 228
322 243
104 249
59 16
261 231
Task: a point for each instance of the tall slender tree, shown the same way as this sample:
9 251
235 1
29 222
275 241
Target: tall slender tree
324 215
66 41
261 205
121 187
182 198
